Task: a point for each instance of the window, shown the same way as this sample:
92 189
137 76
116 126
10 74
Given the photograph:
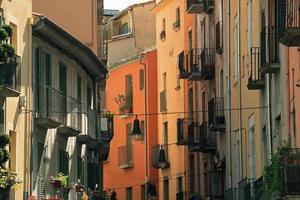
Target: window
166 189
165 133
64 162
2 115
78 88
203 106
143 192
165 81
2 20
163 31
14 38
142 125
179 184
164 24
129 195
48 69
203 33
142 79
205 174
190 40
236 48
222 83
176 24
192 174
125 28
128 82
80 167
63 88
191 102
89 96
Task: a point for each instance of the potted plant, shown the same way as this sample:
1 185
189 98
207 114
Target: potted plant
125 102
59 181
8 179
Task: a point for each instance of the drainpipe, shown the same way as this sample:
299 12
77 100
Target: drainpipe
145 120
228 72
240 174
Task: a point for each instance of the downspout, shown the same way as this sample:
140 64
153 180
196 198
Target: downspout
228 72
240 175
145 121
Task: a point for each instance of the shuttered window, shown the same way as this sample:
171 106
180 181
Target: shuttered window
64 162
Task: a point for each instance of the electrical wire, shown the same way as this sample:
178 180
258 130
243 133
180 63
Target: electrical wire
144 114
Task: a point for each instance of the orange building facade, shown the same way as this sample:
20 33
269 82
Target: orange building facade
131 88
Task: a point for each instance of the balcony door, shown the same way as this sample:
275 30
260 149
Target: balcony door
63 88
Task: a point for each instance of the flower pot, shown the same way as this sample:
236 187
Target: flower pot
56 184
79 188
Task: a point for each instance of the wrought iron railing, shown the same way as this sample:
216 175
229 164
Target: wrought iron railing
269 45
207 138
10 72
216 114
255 63
74 110
183 65
183 131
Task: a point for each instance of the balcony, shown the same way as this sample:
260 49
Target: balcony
269 50
50 106
256 80
219 37
216 116
73 116
10 76
289 22
291 174
163 101
207 139
160 157
199 6
183 131
125 157
183 65
162 35
201 64
106 127
230 194
89 138
203 140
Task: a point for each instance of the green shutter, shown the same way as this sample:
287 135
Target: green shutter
48 69
42 171
64 162
80 173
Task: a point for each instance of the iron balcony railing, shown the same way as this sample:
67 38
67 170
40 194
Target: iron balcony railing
183 65
91 117
201 64
216 116
288 12
269 46
256 79
10 72
219 37
50 104
125 156
183 131
160 156
163 101
207 139
74 110
199 6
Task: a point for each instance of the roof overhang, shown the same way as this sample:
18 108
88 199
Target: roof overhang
72 47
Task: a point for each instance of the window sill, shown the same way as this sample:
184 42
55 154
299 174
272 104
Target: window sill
125 115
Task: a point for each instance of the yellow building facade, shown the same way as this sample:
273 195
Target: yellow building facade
15 92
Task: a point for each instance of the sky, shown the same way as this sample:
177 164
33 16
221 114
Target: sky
120 4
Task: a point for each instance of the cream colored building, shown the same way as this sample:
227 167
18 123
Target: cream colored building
66 122
15 92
